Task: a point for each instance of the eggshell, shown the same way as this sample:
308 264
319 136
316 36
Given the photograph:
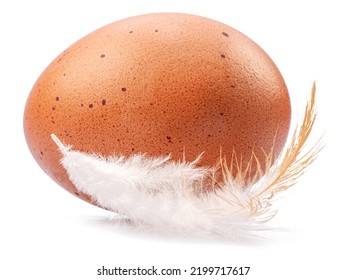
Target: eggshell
160 84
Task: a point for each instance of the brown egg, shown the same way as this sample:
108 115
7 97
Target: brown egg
159 84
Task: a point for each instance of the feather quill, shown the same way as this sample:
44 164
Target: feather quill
166 195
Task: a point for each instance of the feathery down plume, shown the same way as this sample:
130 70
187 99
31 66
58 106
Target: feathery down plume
166 195
296 157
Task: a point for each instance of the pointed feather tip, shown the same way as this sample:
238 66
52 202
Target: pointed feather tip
63 148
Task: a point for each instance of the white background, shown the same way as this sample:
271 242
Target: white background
47 233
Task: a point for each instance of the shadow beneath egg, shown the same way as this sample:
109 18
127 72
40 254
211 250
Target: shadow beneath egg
122 225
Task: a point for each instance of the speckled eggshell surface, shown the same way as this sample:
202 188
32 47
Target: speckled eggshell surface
158 84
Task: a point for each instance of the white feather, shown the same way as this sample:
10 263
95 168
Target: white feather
160 193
